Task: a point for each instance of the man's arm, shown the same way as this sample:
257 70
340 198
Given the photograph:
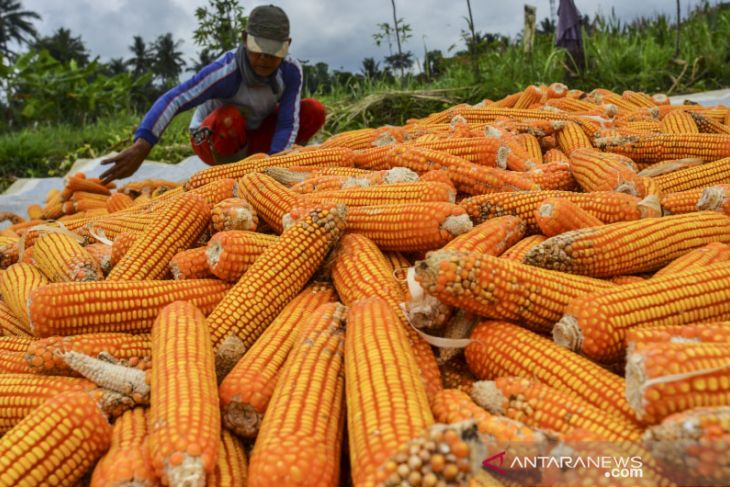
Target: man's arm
287 123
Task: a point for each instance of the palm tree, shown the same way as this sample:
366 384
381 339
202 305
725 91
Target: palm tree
142 58
168 59
64 47
205 57
115 66
370 68
15 25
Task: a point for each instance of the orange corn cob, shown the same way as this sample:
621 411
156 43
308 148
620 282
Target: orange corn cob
518 251
400 193
601 251
715 113
363 138
483 151
556 215
183 441
490 114
246 390
491 237
455 374
643 126
16 285
639 98
10 324
711 253
607 206
715 198
679 123
518 158
666 378
13 363
596 324
572 137
53 207
230 254
364 179
11 343
498 349
121 245
146 187
231 469
553 176
681 201
102 254
508 101
714 332
8 251
530 143
499 288
40 450
270 199
116 224
530 95
77 184
120 306
598 171
541 406
691 445
118 202
306 412
276 276
601 95
128 460
660 147
233 214
61 258
45 356
360 271
190 264
438 176
708 174
177 227
395 405
554 155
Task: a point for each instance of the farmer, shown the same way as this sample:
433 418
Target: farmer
248 101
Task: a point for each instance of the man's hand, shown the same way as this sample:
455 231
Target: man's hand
126 162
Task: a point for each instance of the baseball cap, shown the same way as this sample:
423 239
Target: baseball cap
268 31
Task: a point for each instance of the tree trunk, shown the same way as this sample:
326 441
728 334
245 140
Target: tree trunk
474 53
679 18
397 38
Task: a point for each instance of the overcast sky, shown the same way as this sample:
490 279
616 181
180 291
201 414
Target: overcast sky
338 32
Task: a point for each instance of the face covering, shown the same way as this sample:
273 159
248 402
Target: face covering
249 75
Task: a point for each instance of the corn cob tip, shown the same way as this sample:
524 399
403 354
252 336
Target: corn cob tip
650 206
712 199
488 396
400 175
190 472
456 225
567 333
242 419
112 403
635 379
118 378
228 355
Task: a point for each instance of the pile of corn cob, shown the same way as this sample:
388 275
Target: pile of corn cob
546 275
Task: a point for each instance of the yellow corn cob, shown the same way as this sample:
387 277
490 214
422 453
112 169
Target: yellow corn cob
118 202
518 158
102 254
13 363
666 378
711 253
61 258
607 206
8 251
334 156
116 224
276 276
233 214
184 417
360 271
554 155
190 264
601 251
679 123
707 125
556 215
530 143
572 137
642 126
400 193
696 177
691 445
45 356
483 151
713 332
491 237
596 324
553 176
121 245
529 96
660 147
121 306
76 183
498 349
541 406
306 413
10 324
16 285
393 405
499 288
455 374
681 201
246 390
638 98
365 179
53 207
598 171
231 469
229 254
572 104
40 450
146 187
517 251
270 199
11 343
490 114
715 113
177 227
601 95
715 198
363 138
128 461
213 192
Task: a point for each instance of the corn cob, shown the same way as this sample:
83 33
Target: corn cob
666 167
177 227
711 253
529 96
335 156
306 417
233 214
40 449
517 251
231 470
401 193
394 406
483 151
554 155
691 445
666 378
708 174
455 375
102 254
600 251
715 198
714 332
127 462
530 143
121 245
246 390
10 324
499 288
276 276
119 306
115 224
230 254
552 176
498 349
298 174
641 127
190 264
76 183
556 215
118 202
438 176
8 251
609 207
601 95
598 171
360 271
660 147
538 405
368 179
572 137
53 207
491 237
61 258
681 201
640 99
16 285
13 363
45 356
714 113
11 343
270 199
679 123
707 125
183 441
491 114
364 138
111 376
517 157
596 324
